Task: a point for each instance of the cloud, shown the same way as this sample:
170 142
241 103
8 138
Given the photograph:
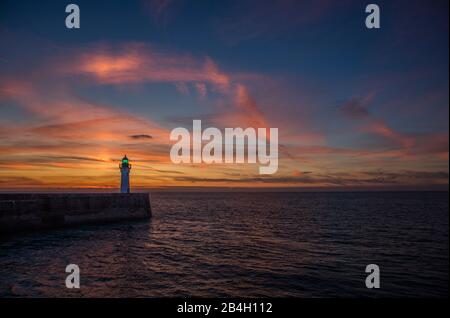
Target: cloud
182 88
257 19
355 108
64 134
380 128
134 63
140 63
201 89
14 181
158 10
76 158
158 6
245 111
142 136
363 178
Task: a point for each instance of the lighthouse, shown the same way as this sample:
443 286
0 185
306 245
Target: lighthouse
125 168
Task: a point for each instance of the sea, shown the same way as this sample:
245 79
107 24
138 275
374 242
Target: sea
256 244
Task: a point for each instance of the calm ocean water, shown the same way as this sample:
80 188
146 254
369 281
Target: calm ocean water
245 244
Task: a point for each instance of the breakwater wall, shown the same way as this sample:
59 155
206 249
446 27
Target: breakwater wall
21 211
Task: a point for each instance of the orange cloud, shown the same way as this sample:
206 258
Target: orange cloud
136 63
381 128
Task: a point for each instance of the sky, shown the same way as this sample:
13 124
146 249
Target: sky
356 108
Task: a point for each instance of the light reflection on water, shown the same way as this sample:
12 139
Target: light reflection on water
244 244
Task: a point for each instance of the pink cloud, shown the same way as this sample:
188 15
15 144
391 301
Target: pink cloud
134 63
137 63
381 128
182 88
201 89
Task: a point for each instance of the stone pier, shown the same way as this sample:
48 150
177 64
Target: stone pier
21 211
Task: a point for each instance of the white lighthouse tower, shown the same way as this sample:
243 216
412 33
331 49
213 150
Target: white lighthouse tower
125 168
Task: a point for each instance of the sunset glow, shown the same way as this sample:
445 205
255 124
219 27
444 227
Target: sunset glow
74 103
